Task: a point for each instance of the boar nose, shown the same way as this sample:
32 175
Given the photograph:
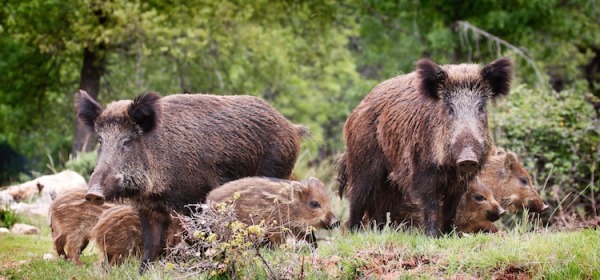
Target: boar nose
467 161
545 207
501 212
94 195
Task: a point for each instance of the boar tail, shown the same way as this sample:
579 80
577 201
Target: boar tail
342 177
303 131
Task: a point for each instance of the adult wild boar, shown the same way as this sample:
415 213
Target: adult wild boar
423 134
511 183
165 153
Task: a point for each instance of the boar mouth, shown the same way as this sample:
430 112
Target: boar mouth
537 206
330 224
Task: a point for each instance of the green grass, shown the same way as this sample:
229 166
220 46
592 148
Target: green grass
540 255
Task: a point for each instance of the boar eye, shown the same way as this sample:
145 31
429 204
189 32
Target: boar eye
450 110
127 143
524 181
314 204
479 197
482 108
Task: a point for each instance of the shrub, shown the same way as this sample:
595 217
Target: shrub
557 136
216 244
8 217
83 164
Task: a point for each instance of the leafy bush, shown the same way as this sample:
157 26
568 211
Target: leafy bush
217 244
8 217
556 135
83 164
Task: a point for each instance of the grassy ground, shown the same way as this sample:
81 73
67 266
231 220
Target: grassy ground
387 254
524 251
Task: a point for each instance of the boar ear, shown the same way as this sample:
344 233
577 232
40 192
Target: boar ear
432 76
511 160
300 189
88 109
145 111
314 183
498 74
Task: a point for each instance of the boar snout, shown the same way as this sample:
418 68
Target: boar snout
537 206
332 223
95 196
467 161
496 214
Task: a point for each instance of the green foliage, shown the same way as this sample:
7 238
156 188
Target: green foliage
313 60
8 217
83 164
555 133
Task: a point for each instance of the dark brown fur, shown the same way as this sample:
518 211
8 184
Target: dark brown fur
71 222
118 234
423 135
165 153
511 183
294 205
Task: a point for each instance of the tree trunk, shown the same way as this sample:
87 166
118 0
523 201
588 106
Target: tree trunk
94 60
84 140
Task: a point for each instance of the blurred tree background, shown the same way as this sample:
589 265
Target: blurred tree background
313 60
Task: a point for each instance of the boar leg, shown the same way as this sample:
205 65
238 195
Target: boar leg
154 228
449 209
73 248
361 191
425 186
59 245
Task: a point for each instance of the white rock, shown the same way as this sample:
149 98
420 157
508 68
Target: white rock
47 187
4 230
6 198
24 229
48 257
36 208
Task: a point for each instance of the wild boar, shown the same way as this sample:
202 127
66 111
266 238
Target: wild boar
71 221
478 209
424 134
298 206
165 153
118 234
511 183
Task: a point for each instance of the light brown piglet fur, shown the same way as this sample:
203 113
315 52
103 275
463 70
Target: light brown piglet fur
478 209
71 222
118 234
510 182
298 206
